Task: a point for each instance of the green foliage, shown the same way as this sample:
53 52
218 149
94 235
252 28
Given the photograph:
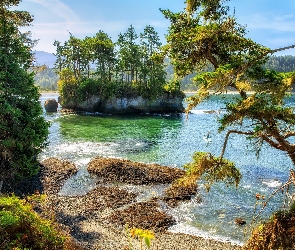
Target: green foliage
22 228
129 55
262 108
199 40
281 63
144 235
67 85
206 36
172 86
46 79
212 169
122 69
87 88
22 128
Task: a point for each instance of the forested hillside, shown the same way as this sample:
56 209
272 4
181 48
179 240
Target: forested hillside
281 63
47 79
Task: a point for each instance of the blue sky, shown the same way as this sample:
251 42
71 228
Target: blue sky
269 22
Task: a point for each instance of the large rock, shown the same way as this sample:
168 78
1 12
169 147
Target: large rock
166 103
121 170
51 105
55 172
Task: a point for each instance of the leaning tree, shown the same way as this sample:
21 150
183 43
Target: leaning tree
23 130
204 35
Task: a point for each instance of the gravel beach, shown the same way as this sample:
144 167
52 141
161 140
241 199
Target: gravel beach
98 219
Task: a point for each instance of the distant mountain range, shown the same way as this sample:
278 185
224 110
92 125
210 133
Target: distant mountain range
46 58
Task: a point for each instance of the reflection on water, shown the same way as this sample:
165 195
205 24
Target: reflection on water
172 140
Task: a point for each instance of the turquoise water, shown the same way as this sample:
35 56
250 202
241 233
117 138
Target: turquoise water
172 140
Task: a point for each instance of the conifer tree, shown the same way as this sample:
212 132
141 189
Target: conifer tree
23 130
205 35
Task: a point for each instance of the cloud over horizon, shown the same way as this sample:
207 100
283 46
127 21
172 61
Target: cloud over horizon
269 22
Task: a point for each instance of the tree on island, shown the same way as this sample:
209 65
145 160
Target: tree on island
23 130
98 66
205 35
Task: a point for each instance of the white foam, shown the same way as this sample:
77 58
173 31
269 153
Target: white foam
197 111
77 150
204 111
186 229
82 162
79 184
273 183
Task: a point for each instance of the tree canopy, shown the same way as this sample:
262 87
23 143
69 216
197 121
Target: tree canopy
205 35
22 128
98 66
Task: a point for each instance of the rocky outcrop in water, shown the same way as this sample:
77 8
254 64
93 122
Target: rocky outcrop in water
168 103
55 172
51 105
96 220
120 170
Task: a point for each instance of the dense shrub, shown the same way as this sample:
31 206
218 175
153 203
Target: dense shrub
278 233
22 228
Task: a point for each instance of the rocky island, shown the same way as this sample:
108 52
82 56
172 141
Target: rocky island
166 103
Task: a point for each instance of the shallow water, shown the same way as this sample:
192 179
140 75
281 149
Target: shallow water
172 140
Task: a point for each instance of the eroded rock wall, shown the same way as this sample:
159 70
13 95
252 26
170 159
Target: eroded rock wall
166 103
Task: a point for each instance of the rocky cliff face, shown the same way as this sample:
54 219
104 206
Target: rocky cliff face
167 103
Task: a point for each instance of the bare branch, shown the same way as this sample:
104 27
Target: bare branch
289 134
226 139
286 184
271 142
283 48
263 136
292 176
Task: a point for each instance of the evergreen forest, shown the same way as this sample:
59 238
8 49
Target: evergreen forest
97 65
47 79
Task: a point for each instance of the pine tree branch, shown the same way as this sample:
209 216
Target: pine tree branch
283 48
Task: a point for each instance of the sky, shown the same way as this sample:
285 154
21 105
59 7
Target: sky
269 22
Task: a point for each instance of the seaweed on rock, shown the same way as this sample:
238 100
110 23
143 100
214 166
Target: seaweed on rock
119 170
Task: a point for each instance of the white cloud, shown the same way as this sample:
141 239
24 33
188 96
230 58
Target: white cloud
59 8
79 29
48 32
271 22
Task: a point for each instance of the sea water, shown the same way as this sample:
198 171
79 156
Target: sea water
171 140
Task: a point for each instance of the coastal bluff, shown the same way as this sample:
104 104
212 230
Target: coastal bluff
167 103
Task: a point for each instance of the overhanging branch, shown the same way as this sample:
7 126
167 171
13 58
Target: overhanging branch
290 181
289 134
271 142
264 137
283 48
227 136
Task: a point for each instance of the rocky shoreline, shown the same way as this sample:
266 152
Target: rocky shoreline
98 219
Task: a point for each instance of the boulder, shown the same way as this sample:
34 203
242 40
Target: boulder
51 105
